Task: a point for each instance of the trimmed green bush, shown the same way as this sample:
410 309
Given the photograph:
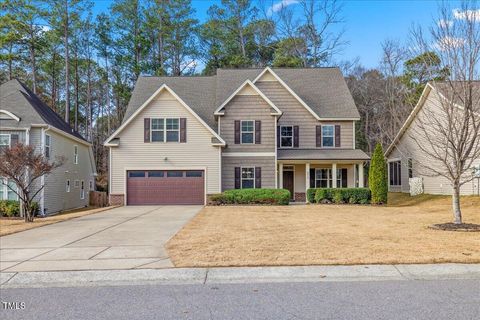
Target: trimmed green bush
377 179
9 208
339 195
251 196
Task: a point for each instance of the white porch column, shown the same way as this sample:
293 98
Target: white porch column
307 179
334 175
360 175
280 175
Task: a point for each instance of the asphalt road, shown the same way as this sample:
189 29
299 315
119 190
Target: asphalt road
439 299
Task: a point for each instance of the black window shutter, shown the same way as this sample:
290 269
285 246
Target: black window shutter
319 136
312 178
183 130
337 136
258 132
344 177
295 136
237 178
146 130
258 177
237 131
278 137
14 139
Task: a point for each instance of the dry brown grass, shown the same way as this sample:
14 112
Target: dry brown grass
14 225
327 234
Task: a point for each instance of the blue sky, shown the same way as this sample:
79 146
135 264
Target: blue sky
367 23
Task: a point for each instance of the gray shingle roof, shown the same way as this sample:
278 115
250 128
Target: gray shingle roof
316 154
16 98
324 90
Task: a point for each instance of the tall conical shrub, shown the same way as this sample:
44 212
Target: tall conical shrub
377 178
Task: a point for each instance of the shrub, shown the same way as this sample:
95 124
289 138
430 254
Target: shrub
339 195
377 179
9 208
251 196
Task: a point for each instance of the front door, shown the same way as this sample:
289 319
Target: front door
288 182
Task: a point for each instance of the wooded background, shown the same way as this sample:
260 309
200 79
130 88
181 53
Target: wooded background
85 66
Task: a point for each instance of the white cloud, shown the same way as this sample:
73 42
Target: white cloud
467 14
447 43
445 23
280 5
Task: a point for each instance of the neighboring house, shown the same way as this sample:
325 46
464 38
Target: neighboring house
405 157
25 119
185 137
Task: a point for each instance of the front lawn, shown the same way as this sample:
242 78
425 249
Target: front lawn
327 234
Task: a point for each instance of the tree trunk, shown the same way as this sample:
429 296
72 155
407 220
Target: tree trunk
457 213
76 93
67 73
33 60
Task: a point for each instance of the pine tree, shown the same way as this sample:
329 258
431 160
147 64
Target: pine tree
377 178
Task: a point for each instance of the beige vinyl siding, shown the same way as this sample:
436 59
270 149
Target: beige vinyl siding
407 148
55 196
266 163
248 107
197 152
295 114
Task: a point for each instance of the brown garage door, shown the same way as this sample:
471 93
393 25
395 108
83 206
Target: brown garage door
165 187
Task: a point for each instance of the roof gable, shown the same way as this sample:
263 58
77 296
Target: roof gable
164 87
248 84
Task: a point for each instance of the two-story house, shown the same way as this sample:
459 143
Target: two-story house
183 138
25 119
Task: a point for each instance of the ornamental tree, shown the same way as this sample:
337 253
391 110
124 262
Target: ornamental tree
377 178
22 165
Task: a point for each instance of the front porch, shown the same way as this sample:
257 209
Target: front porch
300 175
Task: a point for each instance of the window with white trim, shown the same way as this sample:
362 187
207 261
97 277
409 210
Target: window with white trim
48 141
248 178
75 154
67 185
157 130
82 190
395 172
247 131
165 130
323 178
286 136
328 136
5 140
8 189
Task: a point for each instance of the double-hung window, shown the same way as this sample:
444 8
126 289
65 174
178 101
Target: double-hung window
395 172
82 190
67 186
4 141
248 178
286 136
328 136
165 130
8 189
323 178
158 133
247 131
173 130
48 141
75 154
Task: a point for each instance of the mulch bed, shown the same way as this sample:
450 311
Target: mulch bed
464 227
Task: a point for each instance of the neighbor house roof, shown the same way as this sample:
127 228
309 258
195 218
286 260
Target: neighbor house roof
316 154
324 90
16 98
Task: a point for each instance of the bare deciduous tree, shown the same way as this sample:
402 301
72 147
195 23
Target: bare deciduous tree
22 165
449 132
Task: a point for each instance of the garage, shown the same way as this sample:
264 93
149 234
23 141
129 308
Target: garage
164 187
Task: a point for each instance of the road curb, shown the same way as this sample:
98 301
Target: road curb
207 276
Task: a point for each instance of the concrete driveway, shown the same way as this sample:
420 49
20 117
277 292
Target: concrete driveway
121 238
